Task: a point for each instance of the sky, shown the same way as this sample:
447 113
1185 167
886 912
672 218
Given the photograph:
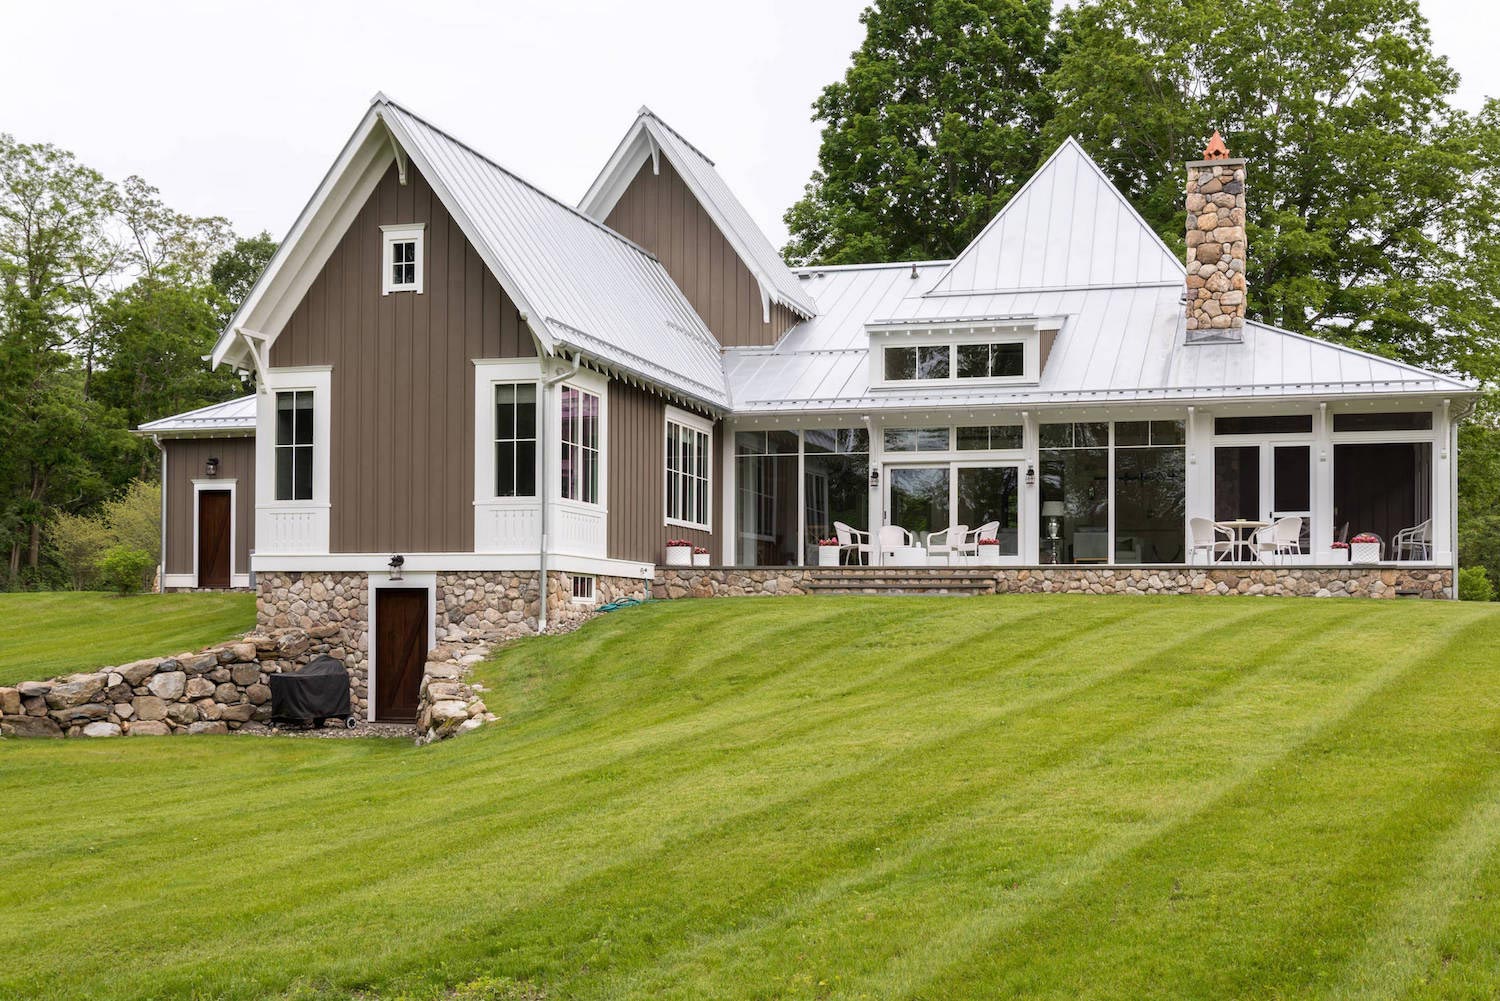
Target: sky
238 109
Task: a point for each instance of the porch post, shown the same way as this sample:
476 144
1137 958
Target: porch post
1320 536
1030 549
1199 488
728 527
876 427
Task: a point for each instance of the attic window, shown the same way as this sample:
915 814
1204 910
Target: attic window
402 258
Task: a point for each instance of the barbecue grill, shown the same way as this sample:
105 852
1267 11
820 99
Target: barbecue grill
317 692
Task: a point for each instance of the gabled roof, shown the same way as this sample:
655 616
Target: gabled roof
228 419
579 284
1068 227
650 137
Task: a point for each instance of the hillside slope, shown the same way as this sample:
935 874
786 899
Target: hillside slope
818 798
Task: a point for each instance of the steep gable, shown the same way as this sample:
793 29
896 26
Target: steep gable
1068 227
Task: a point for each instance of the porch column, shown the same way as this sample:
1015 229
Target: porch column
727 523
876 425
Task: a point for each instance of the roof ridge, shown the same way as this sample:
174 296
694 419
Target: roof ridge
646 112
868 265
381 98
199 410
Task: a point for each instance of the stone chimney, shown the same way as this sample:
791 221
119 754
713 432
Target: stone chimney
1215 245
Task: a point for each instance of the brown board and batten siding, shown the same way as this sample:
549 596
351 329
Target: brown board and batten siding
659 212
638 529
185 458
402 449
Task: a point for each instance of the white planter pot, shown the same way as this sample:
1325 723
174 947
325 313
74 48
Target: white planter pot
700 559
828 556
989 555
1338 556
679 556
1364 552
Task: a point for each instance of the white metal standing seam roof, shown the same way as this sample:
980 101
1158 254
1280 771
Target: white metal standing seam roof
596 291
718 200
227 418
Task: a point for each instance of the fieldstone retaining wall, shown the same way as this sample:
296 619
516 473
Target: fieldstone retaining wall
1317 582
215 690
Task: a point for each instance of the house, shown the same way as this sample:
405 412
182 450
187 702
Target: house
466 386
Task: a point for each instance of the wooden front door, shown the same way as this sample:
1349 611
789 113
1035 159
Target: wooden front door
213 538
400 651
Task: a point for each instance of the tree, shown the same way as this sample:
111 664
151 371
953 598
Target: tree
235 270
1370 214
931 130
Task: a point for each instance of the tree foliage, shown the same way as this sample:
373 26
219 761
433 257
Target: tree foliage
932 128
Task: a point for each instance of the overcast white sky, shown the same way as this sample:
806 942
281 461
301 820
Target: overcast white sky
237 109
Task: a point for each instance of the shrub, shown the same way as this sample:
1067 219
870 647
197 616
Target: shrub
126 569
79 541
1474 585
132 521
134 518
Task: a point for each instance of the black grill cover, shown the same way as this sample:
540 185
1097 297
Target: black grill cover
320 690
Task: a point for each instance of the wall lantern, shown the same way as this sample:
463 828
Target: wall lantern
397 562
874 476
211 467
1030 475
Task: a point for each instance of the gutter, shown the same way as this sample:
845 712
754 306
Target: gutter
541 619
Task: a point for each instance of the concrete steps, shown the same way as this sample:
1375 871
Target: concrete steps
901 580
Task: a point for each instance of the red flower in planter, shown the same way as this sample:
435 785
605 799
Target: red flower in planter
1366 537
828 542
674 543
1339 545
699 551
989 542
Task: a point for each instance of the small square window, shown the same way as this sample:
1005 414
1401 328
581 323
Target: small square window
402 258
583 589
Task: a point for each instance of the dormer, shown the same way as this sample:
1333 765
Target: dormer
972 355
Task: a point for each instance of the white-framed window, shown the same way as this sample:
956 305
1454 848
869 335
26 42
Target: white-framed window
294 444
402 258
515 439
583 589
984 354
579 454
689 459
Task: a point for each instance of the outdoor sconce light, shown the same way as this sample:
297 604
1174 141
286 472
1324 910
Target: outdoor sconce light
211 467
1030 476
874 476
397 562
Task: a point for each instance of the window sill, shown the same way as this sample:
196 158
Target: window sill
675 523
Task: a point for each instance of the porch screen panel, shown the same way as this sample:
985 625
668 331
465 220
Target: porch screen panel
765 507
1074 473
1381 488
1150 492
1237 482
835 472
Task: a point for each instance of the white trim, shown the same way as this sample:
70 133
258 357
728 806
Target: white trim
200 485
672 415
447 563
392 234
503 524
381 582
589 382
311 515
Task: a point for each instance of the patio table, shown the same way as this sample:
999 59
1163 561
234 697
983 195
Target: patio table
1243 532
906 556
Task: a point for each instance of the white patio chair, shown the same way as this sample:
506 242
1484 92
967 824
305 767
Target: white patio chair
853 542
946 542
1413 543
1283 537
1210 538
989 530
892 538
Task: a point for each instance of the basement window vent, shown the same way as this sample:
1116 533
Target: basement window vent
583 589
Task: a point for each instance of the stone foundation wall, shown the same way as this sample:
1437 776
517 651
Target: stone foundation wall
215 690
1316 582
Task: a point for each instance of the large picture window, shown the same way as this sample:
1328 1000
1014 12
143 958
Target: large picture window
515 439
580 445
766 498
688 461
294 445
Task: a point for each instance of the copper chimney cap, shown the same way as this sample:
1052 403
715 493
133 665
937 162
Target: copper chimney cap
1216 150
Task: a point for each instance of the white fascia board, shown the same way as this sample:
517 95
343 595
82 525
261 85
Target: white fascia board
446 563
292 250
623 164
534 320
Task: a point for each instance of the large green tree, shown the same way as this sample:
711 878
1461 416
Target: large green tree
1371 216
932 128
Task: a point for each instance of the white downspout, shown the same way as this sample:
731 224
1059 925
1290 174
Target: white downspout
541 582
161 566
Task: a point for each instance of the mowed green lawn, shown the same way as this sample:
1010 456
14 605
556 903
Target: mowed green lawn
1044 796
43 635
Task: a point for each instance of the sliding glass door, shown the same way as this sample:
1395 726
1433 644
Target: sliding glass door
930 498
990 495
917 499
